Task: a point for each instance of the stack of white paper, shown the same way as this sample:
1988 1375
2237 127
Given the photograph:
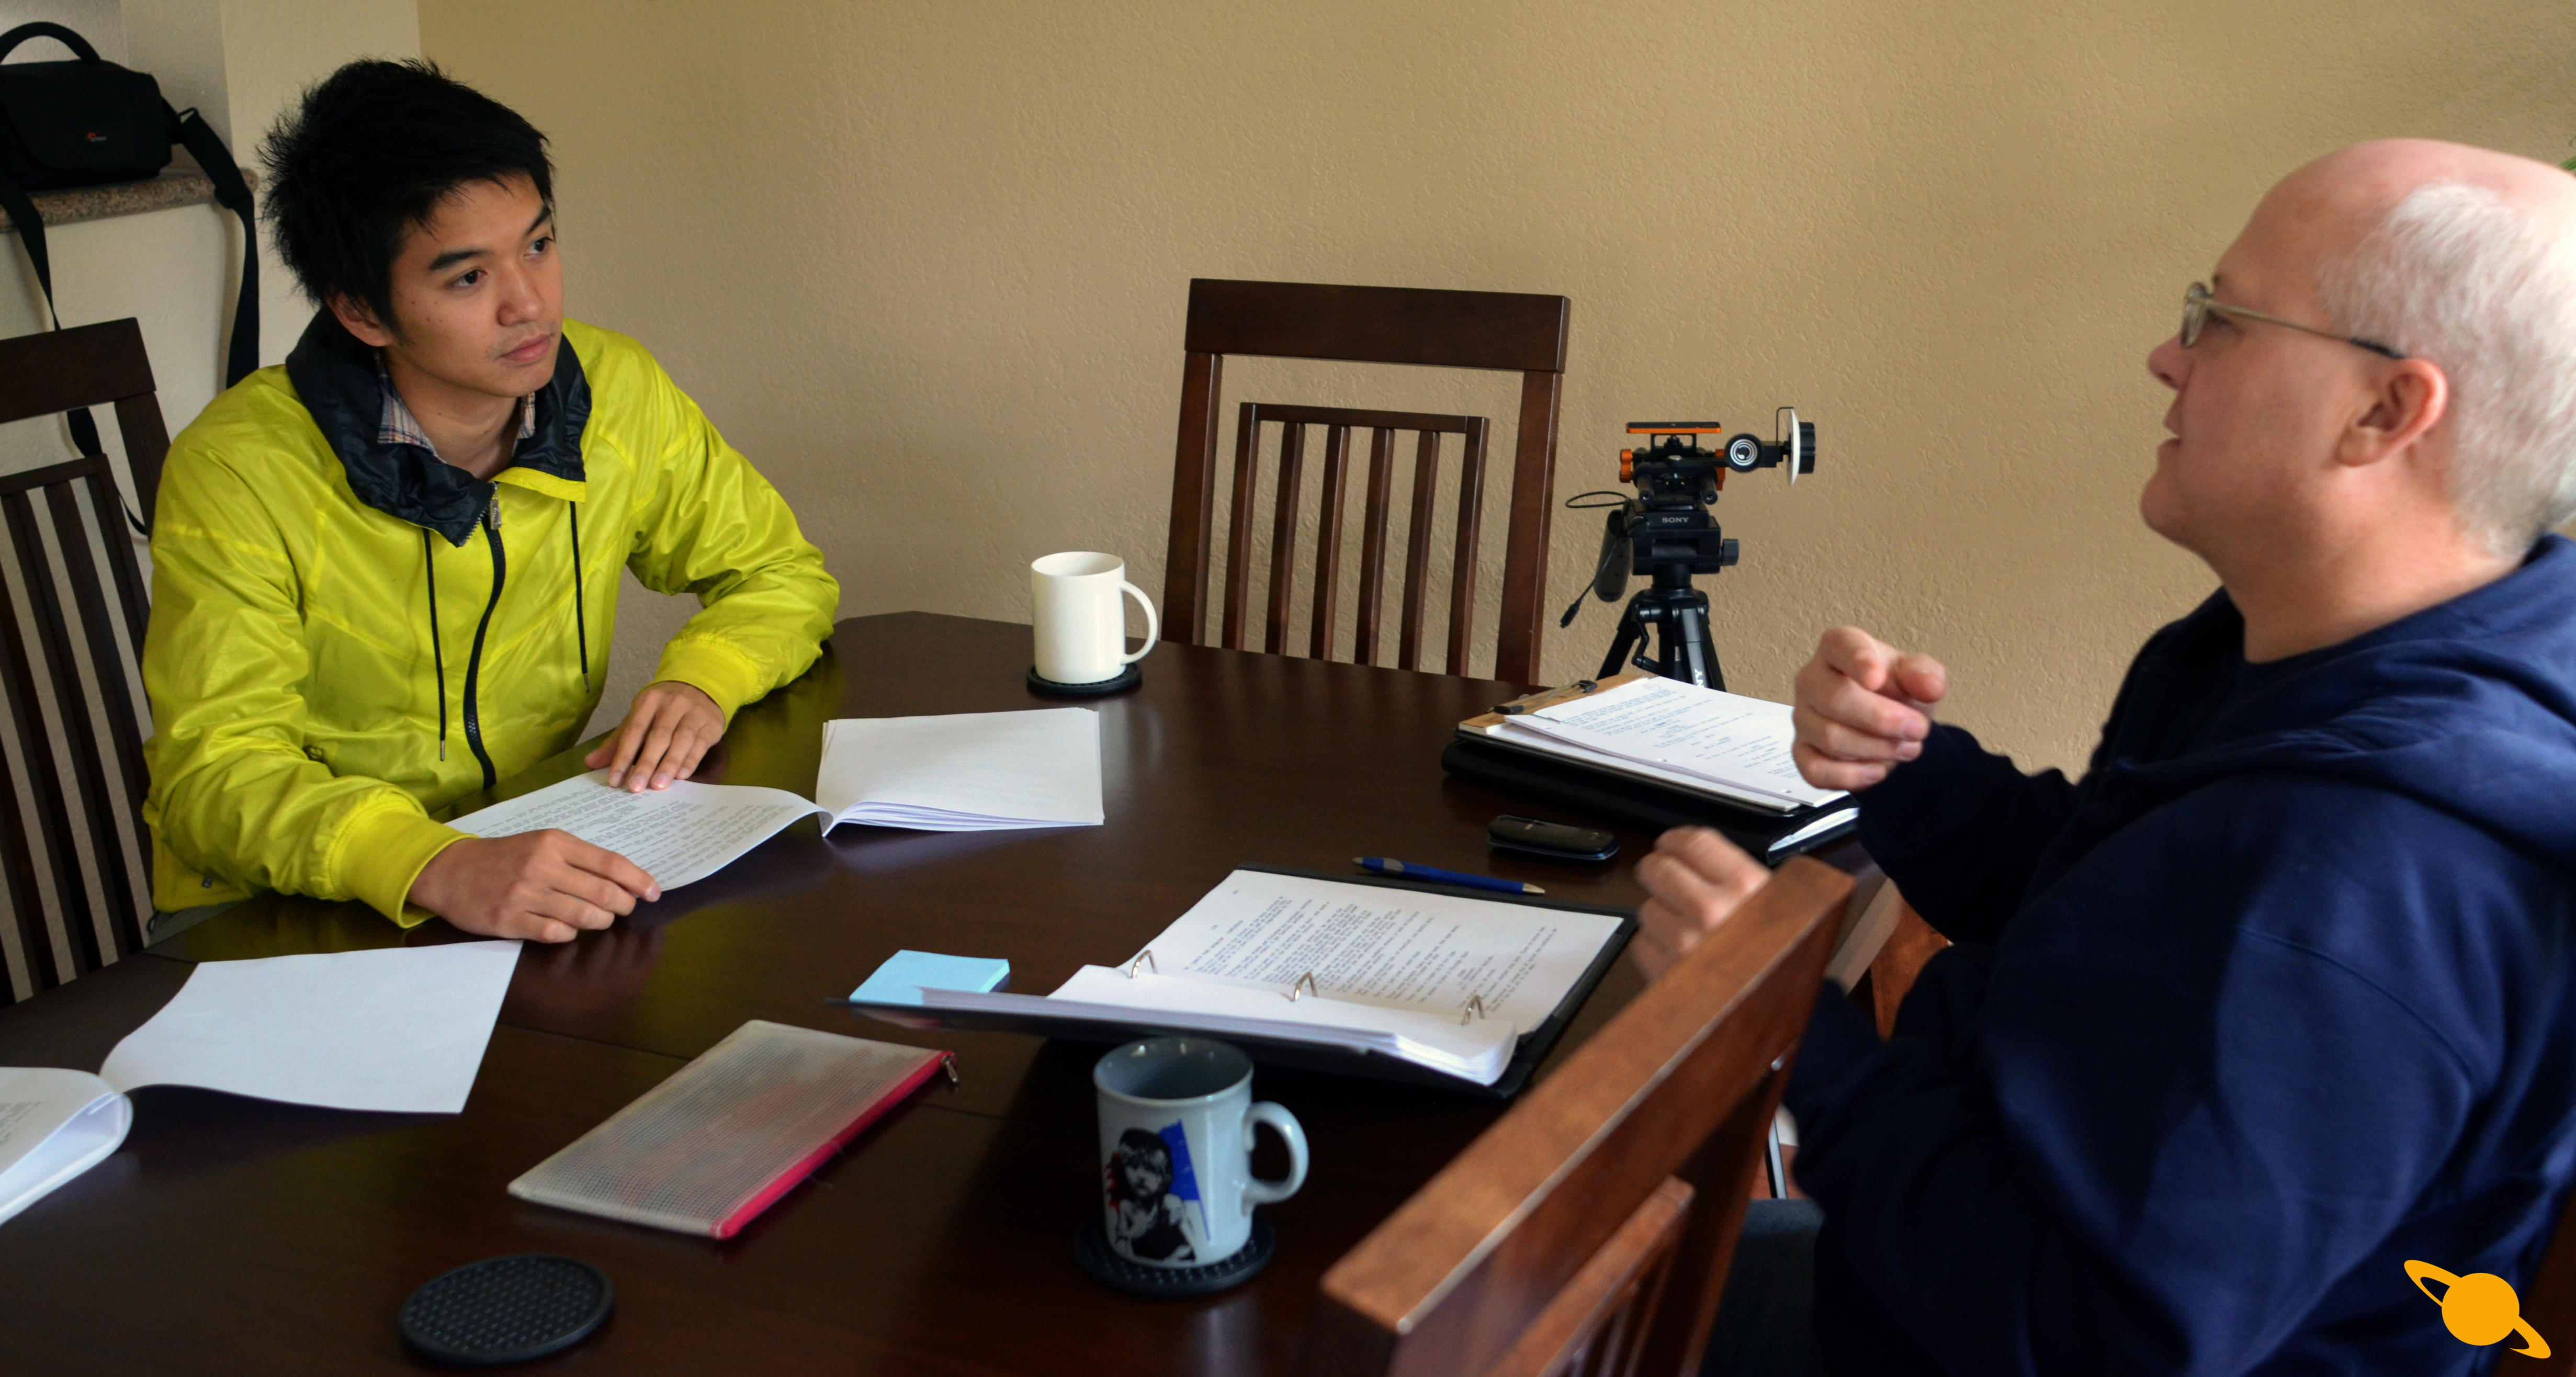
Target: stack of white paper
1365 968
971 772
1701 739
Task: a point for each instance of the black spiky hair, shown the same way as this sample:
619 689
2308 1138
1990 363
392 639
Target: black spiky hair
368 154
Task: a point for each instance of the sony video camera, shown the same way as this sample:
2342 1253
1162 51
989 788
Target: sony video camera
1668 533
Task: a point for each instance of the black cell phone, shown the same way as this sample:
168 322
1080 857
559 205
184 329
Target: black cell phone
1555 840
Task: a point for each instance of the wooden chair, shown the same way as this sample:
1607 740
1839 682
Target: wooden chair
76 741
1590 1229
1490 330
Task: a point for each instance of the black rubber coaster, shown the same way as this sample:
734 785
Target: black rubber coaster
1120 682
1137 1279
506 1310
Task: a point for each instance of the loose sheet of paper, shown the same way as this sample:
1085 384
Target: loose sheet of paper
1396 948
399 1029
1720 736
678 835
966 772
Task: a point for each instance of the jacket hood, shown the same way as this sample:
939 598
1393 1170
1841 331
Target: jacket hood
2468 706
335 375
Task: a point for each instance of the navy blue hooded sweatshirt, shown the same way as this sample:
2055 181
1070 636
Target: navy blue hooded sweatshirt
2279 997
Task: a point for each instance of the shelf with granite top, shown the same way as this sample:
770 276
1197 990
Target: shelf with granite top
175 186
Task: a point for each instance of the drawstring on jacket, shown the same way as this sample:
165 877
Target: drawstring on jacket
437 656
580 617
580 628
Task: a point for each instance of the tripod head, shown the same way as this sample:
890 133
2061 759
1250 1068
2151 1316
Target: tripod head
1669 533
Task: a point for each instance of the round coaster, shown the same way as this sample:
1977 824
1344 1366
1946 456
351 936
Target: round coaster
1124 680
1136 1279
506 1310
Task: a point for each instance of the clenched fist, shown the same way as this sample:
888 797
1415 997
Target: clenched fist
1863 709
1694 879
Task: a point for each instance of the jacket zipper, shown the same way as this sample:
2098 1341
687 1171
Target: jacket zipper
474 665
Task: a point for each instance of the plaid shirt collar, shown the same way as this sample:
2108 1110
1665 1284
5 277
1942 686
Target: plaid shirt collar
396 425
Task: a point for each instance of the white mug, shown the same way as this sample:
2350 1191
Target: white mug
1176 1120
1081 630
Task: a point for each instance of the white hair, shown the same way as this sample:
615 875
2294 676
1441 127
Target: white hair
2457 276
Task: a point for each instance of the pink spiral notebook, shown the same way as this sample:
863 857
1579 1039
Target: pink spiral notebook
707 1150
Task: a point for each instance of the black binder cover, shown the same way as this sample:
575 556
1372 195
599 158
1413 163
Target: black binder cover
1533 1049
1640 802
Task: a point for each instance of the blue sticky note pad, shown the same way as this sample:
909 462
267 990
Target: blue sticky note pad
907 973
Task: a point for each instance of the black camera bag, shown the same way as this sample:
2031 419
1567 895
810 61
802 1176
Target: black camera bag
87 122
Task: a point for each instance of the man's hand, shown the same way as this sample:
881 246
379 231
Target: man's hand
666 732
1694 878
1863 709
544 886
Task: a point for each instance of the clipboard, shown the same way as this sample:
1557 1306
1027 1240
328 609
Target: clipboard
1533 1049
1638 800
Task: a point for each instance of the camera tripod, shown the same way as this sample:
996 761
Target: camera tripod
1679 613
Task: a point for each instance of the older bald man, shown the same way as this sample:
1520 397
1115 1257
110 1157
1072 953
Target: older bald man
2281 995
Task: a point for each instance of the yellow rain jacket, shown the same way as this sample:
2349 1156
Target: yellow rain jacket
348 633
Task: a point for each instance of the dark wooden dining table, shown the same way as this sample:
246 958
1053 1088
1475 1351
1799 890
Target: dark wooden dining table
239 1235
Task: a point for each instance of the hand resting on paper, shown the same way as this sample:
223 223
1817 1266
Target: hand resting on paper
1694 878
1863 708
667 731
541 886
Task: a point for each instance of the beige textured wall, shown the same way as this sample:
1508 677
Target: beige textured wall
926 262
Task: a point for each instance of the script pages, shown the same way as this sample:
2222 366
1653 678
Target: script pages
1444 981
1676 733
966 772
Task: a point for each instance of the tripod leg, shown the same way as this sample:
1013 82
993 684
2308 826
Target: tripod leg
1687 653
1631 632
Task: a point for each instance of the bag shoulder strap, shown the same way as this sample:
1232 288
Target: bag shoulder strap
190 130
31 232
41 29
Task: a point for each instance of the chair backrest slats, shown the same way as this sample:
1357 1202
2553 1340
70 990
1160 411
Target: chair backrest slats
71 536
1541 1245
1328 542
1332 510
1381 486
1487 330
131 597
26 900
1283 532
36 754
1417 551
1462 575
71 710
71 640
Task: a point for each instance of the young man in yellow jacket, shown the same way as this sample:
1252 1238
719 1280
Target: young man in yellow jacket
385 575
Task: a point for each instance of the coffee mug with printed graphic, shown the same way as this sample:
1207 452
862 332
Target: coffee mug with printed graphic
1078 620
1176 1121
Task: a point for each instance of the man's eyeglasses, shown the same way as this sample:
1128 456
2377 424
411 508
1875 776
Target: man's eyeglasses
2197 305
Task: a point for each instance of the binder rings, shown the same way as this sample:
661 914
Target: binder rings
1532 1048
728 1134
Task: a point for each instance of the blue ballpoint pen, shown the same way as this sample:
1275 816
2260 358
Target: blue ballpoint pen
1379 865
